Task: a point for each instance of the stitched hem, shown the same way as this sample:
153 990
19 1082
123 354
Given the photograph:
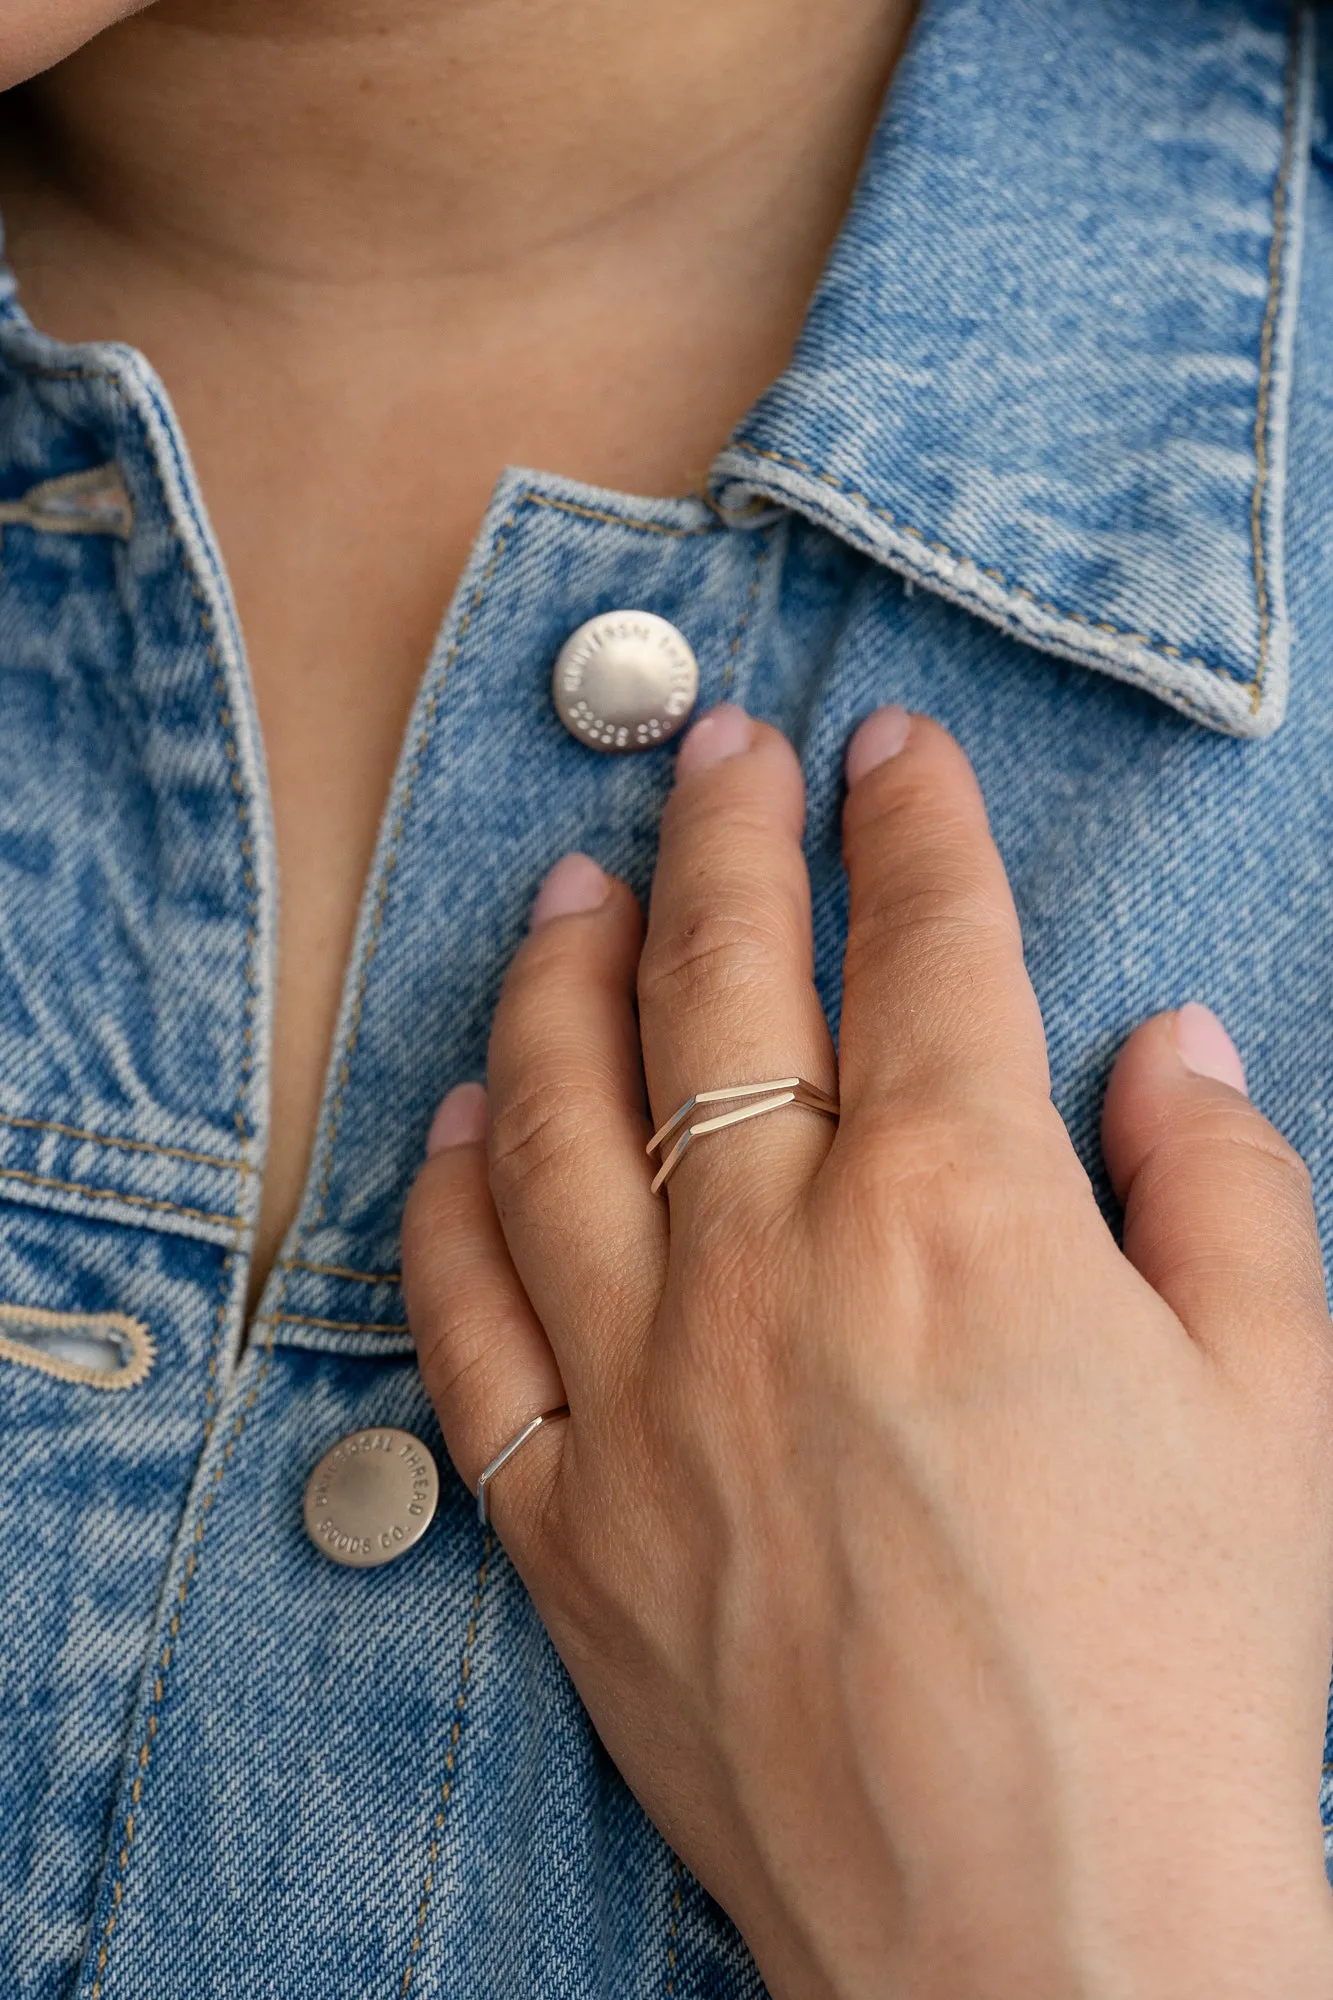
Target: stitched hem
127 1145
341 1271
114 1194
534 499
966 562
747 615
1213 697
333 1325
215 1345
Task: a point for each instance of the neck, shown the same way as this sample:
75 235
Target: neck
450 144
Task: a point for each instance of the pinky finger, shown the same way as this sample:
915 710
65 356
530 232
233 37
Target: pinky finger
485 1360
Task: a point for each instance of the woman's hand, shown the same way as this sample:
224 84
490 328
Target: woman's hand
954 1590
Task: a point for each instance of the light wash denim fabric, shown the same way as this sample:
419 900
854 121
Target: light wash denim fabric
1054 463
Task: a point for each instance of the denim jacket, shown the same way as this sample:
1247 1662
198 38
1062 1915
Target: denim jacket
1053 462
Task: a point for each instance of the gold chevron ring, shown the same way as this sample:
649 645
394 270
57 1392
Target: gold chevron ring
758 1099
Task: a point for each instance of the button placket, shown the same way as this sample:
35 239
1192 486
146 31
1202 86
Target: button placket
487 752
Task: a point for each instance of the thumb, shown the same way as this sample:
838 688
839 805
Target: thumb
1218 1211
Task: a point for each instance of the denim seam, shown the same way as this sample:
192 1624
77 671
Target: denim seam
333 1325
127 1145
1267 344
534 499
114 1194
165 1656
450 1765
341 1271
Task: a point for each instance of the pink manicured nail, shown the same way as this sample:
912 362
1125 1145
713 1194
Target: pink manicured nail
1206 1048
574 885
724 732
460 1120
881 736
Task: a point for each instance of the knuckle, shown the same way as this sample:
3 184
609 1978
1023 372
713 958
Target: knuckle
911 1177
744 816
945 1183
1243 1146
713 954
537 1136
930 920
1264 1149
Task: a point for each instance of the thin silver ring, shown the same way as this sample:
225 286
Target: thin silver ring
771 1097
506 1452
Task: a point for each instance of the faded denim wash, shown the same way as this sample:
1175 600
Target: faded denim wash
1054 463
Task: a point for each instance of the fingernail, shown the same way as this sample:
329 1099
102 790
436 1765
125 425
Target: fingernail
1205 1047
881 736
460 1120
574 885
724 732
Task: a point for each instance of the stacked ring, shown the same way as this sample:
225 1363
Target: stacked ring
770 1097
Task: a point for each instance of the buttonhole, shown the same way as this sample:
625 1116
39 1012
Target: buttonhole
96 1350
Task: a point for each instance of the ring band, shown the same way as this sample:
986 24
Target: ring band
772 1097
503 1456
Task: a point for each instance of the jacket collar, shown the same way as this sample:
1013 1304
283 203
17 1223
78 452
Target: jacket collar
1047 371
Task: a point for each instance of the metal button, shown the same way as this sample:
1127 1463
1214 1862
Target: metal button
625 681
372 1495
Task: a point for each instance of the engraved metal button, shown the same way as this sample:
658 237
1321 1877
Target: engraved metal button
625 681
372 1495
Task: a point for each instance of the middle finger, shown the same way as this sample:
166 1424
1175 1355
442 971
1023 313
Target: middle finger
726 981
